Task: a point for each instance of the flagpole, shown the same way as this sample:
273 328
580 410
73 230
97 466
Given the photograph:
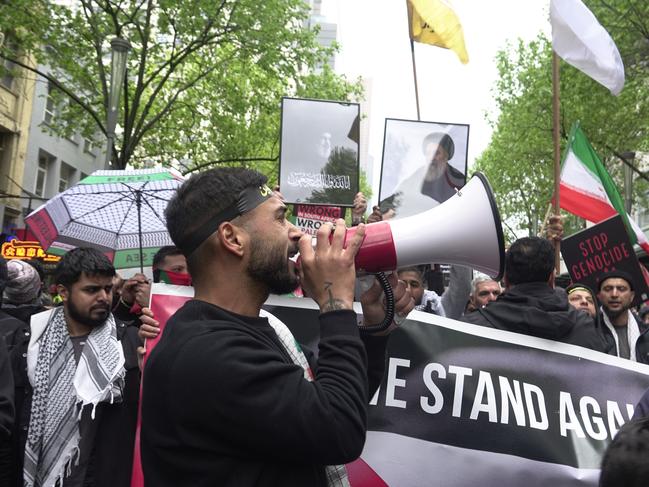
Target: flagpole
557 151
414 75
412 55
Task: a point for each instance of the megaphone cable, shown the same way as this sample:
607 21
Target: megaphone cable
389 307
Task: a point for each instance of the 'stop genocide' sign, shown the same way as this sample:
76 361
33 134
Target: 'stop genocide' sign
601 248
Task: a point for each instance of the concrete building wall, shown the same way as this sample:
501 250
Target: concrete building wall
65 161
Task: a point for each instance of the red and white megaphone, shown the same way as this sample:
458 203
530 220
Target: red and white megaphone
463 230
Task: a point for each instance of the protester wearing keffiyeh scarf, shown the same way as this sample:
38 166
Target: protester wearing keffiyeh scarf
62 388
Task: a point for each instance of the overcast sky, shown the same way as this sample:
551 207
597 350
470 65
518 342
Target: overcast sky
374 44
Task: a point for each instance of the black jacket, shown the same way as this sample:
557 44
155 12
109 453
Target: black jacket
7 416
536 309
223 403
641 346
112 458
16 336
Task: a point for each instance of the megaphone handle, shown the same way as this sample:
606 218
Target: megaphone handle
389 307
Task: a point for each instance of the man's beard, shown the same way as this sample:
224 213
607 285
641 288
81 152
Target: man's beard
86 318
435 171
270 266
614 314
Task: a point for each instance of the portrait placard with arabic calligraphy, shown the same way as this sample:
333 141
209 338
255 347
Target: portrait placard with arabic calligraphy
319 151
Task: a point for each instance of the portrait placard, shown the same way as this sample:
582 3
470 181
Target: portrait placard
423 165
319 151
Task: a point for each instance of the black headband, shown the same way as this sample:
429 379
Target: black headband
248 199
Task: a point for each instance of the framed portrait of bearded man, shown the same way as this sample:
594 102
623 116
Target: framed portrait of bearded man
423 165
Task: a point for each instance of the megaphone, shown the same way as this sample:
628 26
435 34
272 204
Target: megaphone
464 230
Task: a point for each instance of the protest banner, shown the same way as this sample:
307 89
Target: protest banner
462 405
319 151
601 248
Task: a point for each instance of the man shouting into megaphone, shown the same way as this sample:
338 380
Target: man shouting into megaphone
230 398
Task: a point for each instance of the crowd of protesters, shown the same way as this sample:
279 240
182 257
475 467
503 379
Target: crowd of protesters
281 415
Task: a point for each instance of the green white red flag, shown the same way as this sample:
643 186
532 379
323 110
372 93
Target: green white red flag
587 189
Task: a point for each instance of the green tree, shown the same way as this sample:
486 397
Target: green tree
204 78
519 159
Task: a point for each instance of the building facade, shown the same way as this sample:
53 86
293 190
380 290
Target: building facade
16 100
53 163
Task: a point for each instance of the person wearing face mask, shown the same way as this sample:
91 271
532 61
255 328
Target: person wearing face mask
169 266
77 421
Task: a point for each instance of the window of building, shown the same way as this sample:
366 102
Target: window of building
4 144
7 79
8 68
65 178
41 174
50 105
88 146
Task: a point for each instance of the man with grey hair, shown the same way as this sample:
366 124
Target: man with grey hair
483 291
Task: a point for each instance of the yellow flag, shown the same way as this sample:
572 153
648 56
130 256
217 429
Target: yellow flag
434 22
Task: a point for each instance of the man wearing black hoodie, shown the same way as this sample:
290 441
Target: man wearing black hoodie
531 306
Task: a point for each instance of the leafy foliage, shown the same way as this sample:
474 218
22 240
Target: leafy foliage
204 78
519 160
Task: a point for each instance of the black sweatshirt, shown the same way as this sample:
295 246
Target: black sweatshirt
224 405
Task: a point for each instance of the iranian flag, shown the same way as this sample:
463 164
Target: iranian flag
587 189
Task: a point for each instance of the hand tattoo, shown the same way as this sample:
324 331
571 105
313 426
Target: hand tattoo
333 303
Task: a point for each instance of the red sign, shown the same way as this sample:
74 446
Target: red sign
25 250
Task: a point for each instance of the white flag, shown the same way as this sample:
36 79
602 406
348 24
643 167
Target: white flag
579 39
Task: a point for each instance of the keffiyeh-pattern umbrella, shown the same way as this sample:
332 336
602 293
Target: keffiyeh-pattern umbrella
118 212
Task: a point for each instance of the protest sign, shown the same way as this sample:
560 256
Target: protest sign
462 405
319 152
309 218
601 248
422 166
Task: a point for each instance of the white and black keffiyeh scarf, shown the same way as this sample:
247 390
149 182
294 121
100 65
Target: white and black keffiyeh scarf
336 474
60 390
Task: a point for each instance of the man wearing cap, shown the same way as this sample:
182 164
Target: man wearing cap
22 294
582 298
431 184
615 292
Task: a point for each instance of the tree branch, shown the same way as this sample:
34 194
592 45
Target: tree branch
142 128
628 163
236 159
89 14
59 86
